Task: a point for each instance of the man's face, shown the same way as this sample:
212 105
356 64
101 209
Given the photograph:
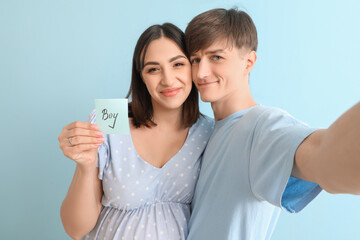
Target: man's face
220 71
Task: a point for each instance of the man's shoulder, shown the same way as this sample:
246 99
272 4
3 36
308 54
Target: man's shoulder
274 118
265 110
262 117
263 113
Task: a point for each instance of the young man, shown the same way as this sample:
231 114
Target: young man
259 159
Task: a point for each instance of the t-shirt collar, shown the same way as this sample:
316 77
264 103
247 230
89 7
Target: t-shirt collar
233 116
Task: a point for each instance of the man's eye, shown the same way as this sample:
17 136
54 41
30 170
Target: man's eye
195 60
217 58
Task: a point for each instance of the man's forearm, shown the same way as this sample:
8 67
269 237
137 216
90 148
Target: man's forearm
331 157
341 144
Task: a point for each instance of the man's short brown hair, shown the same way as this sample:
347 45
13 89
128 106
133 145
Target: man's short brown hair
231 25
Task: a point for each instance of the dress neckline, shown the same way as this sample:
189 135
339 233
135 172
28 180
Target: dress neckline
168 161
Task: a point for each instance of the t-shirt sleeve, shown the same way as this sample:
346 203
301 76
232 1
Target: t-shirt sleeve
103 150
277 135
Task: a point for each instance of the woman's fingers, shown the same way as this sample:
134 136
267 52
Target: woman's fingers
83 132
85 140
79 128
66 141
79 124
79 141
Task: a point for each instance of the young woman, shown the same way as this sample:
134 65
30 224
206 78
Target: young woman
144 182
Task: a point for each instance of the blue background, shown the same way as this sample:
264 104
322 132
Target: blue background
56 57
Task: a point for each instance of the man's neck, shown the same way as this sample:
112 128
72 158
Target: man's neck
231 104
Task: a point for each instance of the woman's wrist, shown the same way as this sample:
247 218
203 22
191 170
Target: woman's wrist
87 168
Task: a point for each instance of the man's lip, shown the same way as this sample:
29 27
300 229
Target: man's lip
203 84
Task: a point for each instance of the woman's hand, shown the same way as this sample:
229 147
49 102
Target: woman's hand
79 141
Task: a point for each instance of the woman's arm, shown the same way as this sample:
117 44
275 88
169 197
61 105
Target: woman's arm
82 204
81 207
331 157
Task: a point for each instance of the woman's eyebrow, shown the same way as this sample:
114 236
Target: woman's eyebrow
171 60
151 63
177 57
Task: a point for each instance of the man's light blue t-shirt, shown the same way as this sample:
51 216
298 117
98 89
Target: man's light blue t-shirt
245 176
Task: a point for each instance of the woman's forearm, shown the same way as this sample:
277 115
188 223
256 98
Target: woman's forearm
82 204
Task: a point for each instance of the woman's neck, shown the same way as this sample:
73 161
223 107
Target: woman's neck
169 118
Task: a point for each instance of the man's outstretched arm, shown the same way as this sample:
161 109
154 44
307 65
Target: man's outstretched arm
331 157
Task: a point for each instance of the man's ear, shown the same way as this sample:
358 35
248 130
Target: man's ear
250 60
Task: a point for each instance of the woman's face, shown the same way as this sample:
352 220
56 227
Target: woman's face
166 74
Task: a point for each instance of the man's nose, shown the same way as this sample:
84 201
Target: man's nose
202 70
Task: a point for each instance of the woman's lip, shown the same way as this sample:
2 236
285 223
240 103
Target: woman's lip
170 92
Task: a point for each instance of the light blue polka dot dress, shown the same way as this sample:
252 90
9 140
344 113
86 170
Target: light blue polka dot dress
141 201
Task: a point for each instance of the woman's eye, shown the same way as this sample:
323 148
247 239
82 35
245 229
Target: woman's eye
151 70
178 64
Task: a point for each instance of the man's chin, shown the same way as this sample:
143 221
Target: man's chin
207 98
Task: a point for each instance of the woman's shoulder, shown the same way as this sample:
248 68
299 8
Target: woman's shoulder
201 131
204 122
206 119
92 117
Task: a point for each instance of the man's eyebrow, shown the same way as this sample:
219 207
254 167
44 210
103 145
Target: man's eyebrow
215 51
220 50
